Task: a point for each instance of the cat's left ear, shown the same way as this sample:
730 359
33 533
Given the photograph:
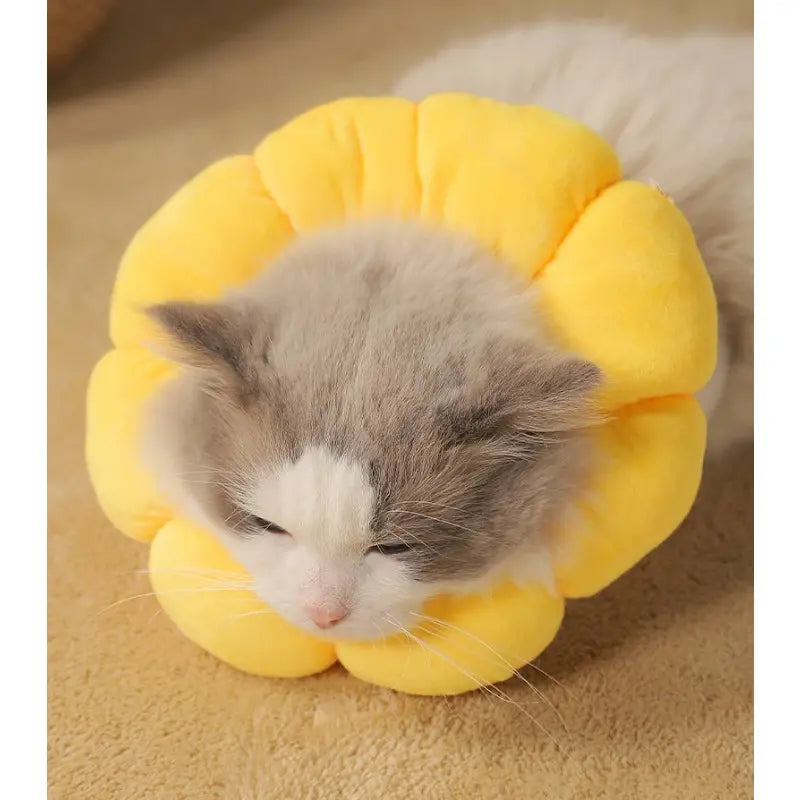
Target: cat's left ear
218 339
524 399
553 393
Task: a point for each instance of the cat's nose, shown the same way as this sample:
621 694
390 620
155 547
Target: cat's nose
325 616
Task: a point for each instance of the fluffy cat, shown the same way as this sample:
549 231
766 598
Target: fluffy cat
379 417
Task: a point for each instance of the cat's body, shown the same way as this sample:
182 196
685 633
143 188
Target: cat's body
679 112
380 416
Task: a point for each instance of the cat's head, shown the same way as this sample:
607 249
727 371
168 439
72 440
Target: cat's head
374 420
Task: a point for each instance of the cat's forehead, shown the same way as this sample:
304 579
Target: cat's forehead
325 500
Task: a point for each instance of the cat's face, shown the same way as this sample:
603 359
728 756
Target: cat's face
373 422
310 534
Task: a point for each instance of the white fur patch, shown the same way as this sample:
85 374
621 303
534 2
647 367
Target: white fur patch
325 502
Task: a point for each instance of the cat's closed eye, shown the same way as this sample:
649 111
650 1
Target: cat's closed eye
266 525
393 549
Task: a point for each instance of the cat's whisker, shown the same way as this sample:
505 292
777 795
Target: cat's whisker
396 507
259 612
209 482
428 650
547 675
235 517
235 482
213 582
186 590
538 692
436 519
213 574
406 532
203 471
428 546
494 691
228 478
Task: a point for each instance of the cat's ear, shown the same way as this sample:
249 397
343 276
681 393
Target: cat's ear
553 393
217 339
525 400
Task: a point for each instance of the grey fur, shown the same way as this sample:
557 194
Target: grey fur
411 352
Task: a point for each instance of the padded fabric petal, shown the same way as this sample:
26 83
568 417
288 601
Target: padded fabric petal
192 574
345 160
648 469
121 384
629 291
512 177
467 642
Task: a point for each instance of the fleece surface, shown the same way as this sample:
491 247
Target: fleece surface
655 673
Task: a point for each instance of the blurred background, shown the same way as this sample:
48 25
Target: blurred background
142 95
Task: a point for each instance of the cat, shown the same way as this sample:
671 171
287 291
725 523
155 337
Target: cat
380 417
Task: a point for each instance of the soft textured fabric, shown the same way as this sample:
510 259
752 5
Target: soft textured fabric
69 24
655 672
621 283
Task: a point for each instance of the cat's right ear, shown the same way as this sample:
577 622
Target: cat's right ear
215 339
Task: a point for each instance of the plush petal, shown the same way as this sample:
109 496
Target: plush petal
357 161
629 291
121 384
649 461
461 643
513 177
204 592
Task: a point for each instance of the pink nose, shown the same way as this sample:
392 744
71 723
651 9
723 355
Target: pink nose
325 616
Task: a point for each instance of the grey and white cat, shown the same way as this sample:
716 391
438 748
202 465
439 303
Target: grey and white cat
379 417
